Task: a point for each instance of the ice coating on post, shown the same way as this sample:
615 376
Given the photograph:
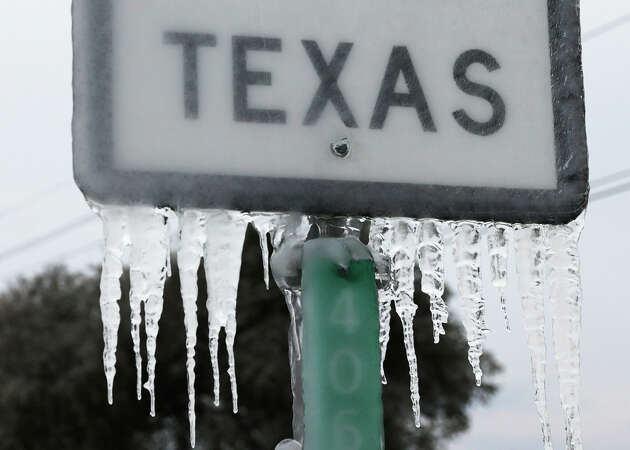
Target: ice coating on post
498 247
115 235
467 264
147 265
565 291
193 238
288 243
531 251
378 244
431 264
225 231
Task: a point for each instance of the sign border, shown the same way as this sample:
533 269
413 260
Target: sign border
101 182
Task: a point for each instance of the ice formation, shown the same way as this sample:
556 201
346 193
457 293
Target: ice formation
531 249
264 223
291 232
398 242
147 267
193 240
565 294
225 231
431 264
498 251
467 264
116 239
546 260
379 246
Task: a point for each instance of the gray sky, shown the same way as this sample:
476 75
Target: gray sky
38 196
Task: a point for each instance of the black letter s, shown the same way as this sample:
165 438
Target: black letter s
478 90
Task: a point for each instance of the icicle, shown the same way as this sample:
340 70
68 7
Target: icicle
291 232
394 242
378 245
224 247
498 252
566 299
264 224
148 259
193 238
403 257
292 298
467 262
115 233
431 263
531 253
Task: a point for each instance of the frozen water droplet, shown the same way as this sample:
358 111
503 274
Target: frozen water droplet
289 444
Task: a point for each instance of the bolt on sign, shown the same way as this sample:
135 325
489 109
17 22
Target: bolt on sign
461 109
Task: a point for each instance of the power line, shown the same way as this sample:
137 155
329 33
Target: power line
606 27
617 176
77 251
48 236
616 190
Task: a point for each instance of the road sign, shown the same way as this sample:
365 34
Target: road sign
466 109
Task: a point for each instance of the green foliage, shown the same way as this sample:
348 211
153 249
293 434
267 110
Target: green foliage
53 394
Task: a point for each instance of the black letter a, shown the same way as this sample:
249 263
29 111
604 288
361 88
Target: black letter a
400 61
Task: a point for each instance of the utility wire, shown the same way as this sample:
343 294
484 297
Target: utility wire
605 28
48 236
77 251
616 190
617 176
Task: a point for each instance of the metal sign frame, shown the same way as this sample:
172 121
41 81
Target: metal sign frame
98 179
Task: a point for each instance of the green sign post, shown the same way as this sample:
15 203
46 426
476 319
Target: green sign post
341 356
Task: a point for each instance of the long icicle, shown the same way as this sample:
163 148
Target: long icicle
377 243
224 247
498 246
467 263
566 300
403 256
138 292
431 264
193 238
116 239
531 251
148 261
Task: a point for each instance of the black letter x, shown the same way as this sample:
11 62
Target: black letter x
329 89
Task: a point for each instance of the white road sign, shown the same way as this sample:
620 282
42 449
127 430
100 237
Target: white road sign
460 109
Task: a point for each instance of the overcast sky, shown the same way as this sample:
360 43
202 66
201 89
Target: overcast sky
38 197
